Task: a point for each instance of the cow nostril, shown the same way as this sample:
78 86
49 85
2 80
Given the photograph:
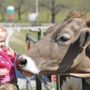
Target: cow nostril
23 62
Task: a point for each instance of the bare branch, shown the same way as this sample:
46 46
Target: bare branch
58 7
45 5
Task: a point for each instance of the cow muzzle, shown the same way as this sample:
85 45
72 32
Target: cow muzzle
25 63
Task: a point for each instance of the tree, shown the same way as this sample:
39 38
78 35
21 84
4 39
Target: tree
53 8
19 8
22 6
2 9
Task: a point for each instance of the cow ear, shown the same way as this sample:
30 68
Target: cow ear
85 37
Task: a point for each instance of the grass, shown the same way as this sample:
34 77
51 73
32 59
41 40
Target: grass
22 89
18 40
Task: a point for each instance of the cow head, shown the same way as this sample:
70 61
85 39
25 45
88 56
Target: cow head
63 50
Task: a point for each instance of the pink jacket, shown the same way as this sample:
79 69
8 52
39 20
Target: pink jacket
7 58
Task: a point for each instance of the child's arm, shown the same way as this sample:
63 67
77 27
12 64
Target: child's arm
3 72
11 53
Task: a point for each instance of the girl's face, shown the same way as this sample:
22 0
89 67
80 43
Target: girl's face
3 37
2 44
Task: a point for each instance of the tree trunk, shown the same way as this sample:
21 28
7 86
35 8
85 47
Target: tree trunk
53 12
19 15
2 16
53 18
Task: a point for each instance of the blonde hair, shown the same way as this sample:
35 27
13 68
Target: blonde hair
3 33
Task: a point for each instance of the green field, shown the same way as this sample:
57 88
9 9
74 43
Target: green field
18 40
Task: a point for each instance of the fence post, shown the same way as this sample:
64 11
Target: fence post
28 40
58 81
28 84
39 34
55 82
38 82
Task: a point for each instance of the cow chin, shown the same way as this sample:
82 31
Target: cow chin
29 74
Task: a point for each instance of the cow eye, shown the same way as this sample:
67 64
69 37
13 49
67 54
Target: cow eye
63 38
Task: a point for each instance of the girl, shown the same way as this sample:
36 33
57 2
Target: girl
7 59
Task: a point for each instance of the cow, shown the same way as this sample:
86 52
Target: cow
64 50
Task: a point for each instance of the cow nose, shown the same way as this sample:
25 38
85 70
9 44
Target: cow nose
23 62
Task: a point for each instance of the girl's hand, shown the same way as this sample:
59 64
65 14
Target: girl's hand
3 72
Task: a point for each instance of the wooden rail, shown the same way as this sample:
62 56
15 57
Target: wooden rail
25 26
